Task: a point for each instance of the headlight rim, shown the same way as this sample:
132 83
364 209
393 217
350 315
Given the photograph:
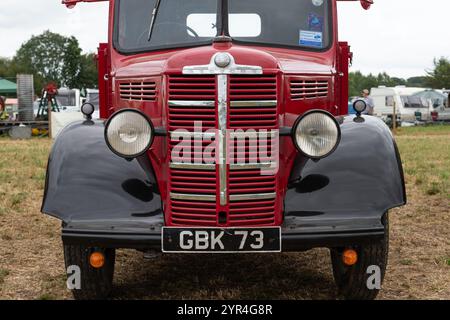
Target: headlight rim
149 121
296 124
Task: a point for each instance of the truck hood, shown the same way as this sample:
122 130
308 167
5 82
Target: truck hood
270 59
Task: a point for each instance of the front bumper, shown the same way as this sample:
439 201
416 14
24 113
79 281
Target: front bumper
295 236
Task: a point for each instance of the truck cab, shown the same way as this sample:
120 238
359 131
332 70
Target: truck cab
224 130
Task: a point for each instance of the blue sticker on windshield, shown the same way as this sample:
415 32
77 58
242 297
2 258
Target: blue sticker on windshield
315 23
311 39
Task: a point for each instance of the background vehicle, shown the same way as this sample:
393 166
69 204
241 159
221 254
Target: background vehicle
406 104
439 100
194 73
69 99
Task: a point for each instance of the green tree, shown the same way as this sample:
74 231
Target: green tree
359 82
88 78
439 77
417 82
4 67
7 69
50 57
71 70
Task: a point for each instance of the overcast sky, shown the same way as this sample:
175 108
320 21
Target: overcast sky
400 37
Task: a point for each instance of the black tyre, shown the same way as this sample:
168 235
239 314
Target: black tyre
352 281
96 284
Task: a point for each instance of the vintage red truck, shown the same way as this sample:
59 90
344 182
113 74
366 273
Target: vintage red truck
224 128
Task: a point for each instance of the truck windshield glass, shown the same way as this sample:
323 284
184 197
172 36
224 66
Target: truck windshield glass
293 23
170 29
301 23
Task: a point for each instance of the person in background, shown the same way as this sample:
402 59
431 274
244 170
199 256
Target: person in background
370 110
3 114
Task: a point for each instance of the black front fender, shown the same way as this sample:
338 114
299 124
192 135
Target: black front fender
350 190
89 187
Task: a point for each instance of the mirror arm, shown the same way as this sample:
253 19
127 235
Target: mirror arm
72 3
365 3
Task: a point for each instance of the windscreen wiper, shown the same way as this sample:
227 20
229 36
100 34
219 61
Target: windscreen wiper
152 22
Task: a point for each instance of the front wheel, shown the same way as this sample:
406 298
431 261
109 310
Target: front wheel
353 282
95 283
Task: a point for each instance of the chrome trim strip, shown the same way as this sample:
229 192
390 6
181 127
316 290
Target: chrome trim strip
175 135
193 166
250 166
193 197
231 68
222 104
272 134
255 103
193 103
253 196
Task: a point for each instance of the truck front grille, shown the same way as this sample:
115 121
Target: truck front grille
258 211
191 99
194 184
253 102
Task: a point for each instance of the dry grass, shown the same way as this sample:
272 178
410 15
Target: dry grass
31 260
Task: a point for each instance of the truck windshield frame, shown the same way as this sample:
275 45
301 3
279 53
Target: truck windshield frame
324 27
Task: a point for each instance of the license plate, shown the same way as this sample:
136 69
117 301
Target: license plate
220 240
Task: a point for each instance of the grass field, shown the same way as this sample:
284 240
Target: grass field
32 267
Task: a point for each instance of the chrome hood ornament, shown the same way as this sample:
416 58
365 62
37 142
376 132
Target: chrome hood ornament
223 63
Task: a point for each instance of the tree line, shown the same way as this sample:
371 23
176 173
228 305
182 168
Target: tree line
437 78
51 57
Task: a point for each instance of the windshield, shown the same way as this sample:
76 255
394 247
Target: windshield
292 23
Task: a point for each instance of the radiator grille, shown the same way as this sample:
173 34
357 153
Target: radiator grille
250 106
192 99
192 88
253 88
187 212
193 187
137 90
308 89
252 212
253 105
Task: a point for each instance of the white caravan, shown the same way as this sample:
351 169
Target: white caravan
69 99
406 101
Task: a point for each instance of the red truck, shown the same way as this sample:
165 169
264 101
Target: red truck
224 130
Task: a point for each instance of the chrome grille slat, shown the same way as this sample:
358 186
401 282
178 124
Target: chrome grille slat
193 135
253 196
192 103
250 166
193 166
195 197
254 103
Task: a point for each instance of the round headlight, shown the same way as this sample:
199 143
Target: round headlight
129 133
359 106
316 134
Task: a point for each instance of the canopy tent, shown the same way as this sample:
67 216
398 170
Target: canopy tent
7 87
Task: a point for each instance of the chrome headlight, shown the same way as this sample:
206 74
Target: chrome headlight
316 134
129 133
